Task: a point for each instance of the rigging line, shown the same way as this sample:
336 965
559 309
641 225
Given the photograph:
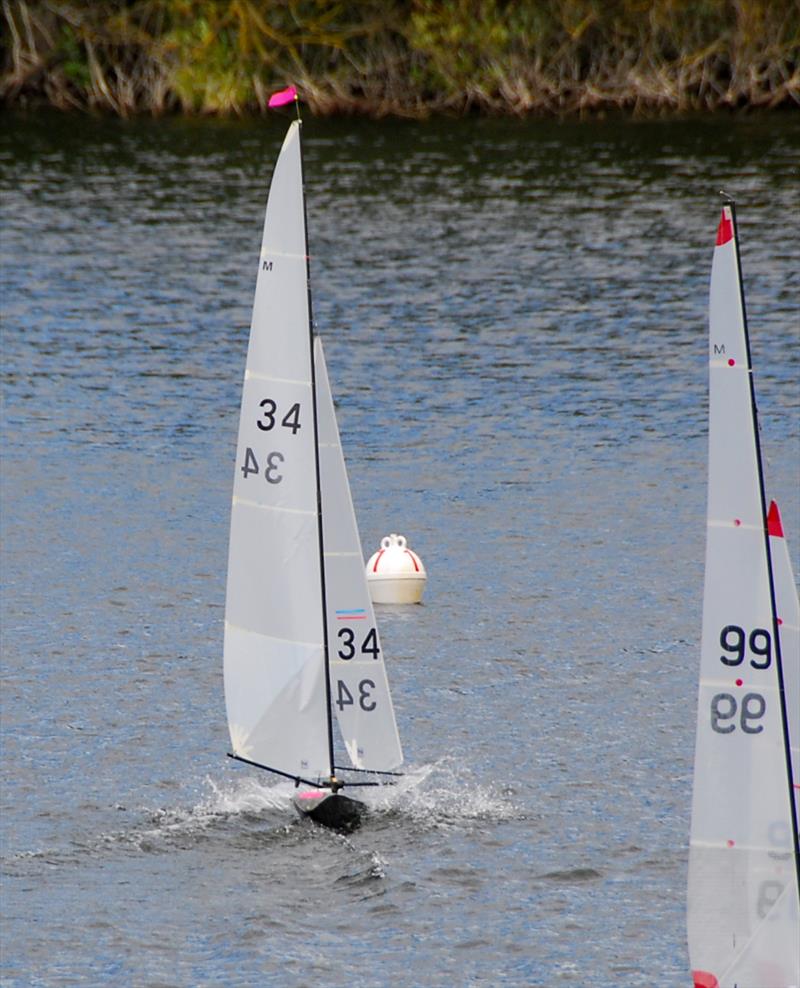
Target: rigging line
275 771
771 577
349 785
368 771
320 534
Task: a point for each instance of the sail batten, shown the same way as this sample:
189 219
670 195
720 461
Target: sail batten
743 882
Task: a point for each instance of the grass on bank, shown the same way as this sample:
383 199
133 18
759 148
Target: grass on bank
402 57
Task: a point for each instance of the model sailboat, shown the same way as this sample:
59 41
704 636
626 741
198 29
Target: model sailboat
300 634
744 866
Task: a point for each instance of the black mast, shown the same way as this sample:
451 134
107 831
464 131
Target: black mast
320 538
773 603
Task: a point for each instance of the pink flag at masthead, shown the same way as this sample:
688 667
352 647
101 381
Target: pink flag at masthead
283 96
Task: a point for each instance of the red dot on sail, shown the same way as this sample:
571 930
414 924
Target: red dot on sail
725 228
739 682
737 522
702 979
731 362
730 843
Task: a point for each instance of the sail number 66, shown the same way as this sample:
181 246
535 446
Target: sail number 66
736 642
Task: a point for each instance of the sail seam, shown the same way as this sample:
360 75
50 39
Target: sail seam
271 507
266 254
763 687
723 846
717 364
256 376
273 638
724 523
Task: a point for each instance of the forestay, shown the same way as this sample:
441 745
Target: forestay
743 892
359 687
275 689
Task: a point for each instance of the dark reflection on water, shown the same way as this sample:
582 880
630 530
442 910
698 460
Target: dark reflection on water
514 316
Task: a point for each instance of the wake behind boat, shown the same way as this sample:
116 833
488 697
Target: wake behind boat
744 863
300 632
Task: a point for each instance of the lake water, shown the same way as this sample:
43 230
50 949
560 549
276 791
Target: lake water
514 316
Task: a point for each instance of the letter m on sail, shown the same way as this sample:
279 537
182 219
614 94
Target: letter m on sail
719 349
266 265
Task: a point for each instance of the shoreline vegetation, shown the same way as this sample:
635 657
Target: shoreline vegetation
407 58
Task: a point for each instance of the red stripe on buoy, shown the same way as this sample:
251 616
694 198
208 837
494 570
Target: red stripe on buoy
413 559
774 526
725 228
377 560
702 979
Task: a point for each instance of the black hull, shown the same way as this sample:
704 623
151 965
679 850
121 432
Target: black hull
331 809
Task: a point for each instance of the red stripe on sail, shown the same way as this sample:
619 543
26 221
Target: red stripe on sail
774 526
725 228
702 979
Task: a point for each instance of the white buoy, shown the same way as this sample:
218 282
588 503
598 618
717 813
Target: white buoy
395 574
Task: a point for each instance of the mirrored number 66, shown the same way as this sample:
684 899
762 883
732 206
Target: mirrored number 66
724 708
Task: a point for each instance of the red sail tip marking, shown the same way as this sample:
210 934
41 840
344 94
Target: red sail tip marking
725 228
774 526
702 979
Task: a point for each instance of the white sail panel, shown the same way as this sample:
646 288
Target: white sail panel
274 655
742 897
359 687
281 298
284 732
788 608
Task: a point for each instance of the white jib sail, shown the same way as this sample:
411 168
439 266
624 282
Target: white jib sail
359 687
788 608
743 895
274 664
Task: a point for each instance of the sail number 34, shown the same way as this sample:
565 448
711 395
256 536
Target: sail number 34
728 712
266 423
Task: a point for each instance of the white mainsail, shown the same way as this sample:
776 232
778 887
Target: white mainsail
787 604
274 664
359 688
743 885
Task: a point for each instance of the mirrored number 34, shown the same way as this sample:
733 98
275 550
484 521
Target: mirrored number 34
344 698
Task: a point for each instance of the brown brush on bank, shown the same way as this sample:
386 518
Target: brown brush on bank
387 57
